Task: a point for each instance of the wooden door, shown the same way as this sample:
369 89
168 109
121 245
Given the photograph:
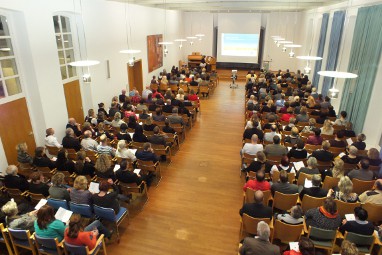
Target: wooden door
15 128
73 100
135 76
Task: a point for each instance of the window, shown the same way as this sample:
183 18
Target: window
64 41
9 77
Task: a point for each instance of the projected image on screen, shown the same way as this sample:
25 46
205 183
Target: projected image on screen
243 45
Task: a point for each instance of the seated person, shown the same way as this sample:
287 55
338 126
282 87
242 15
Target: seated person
41 160
342 120
305 247
373 196
311 169
80 194
348 248
158 138
338 169
293 138
15 221
268 136
315 139
253 147
138 136
373 157
103 167
158 116
275 149
327 128
259 163
259 183
123 134
360 144
324 154
284 186
344 191
315 190
291 124
352 157
132 122
310 128
105 198
147 154
144 115
284 165
338 141
76 234
125 175
298 151
363 173
360 225
13 180
63 163
257 209
124 152
249 132
294 218
70 141
58 190
83 165
324 217
37 185
22 154
167 128
261 244
103 148
47 226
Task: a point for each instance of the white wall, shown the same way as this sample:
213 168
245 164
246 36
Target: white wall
31 24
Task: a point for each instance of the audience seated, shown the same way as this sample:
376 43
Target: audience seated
13 180
310 128
311 169
88 143
22 154
63 163
360 225
275 149
167 128
104 168
348 248
253 147
364 173
47 226
123 134
324 154
295 217
305 247
15 221
249 132
268 136
257 209
261 244
174 118
360 144
327 128
50 139
41 160
80 194
37 184
373 157
138 136
103 148
338 140
107 196
147 154
158 116
342 120
284 165
83 165
294 137
58 189
74 126
117 121
324 217
298 151
259 163
338 170
284 186
259 183
70 141
373 196
315 190
344 191
315 139
124 152
352 157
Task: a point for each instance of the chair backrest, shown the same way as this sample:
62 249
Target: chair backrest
82 209
52 150
146 165
4 238
249 195
346 208
286 232
309 202
275 176
57 203
374 212
35 198
360 186
361 241
75 249
301 178
330 182
21 238
105 213
47 245
284 201
322 234
250 223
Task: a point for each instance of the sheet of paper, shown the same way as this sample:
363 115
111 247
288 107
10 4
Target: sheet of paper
151 114
40 204
94 187
341 154
350 217
63 214
298 165
308 183
54 159
349 141
116 167
133 150
137 171
294 246
131 135
289 148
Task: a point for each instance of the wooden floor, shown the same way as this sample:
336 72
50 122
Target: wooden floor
195 208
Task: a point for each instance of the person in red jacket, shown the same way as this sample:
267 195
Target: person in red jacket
259 183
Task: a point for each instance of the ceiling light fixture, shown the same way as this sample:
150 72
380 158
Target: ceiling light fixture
309 57
284 49
336 74
164 42
181 42
291 53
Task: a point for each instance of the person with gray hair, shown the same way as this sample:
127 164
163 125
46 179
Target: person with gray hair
117 121
295 216
70 141
14 181
88 143
260 245
352 157
315 190
174 118
15 221
311 169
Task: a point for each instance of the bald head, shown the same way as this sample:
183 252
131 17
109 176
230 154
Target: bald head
87 134
378 184
72 121
259 197
254 138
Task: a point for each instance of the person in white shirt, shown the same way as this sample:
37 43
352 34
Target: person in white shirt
88 143
252 148
50 139
269 135
146 92
123 152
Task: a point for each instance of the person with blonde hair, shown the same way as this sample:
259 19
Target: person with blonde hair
180 95
15 221
22 154
303 116
344 191
310 127
348 248
124 152
327 128
311 103
338 170
104 168
80 194
117 121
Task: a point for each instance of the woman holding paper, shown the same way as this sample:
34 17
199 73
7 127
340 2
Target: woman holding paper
46 224
304 247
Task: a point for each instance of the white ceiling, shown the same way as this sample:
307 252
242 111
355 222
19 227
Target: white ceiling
234 6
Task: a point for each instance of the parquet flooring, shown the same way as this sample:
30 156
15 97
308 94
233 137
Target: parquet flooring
194 210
